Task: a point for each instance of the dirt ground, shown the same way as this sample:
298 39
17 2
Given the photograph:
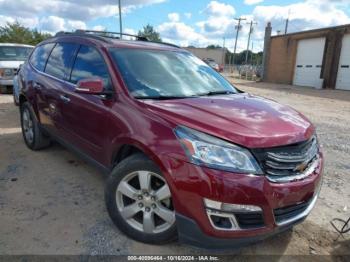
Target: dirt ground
51 202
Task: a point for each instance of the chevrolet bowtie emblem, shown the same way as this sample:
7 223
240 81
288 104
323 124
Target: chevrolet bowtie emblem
301 167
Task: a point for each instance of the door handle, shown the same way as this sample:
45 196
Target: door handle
65 98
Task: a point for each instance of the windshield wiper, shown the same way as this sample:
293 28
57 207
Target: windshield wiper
163 97
220 92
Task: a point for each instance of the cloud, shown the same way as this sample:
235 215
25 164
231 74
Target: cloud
63 15
253 2
99 28
215 8
174 17
53 24
180 32
188 15
71 9
306 15
220 21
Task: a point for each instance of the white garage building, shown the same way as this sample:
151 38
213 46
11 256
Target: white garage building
316 58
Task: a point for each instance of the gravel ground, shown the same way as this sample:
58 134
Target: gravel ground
51 202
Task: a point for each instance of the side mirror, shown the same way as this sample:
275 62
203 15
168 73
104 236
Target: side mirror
92 86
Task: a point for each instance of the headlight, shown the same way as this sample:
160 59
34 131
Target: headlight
206 150
6 72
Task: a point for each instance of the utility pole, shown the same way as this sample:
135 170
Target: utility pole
223 53
120 19
251 54
287 22
238 27
250 33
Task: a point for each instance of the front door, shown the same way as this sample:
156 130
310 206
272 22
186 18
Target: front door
86 116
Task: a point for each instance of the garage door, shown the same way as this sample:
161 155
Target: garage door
343 77
309 62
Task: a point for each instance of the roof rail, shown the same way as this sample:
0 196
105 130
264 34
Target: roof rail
102 35
110 34
62 33
165 43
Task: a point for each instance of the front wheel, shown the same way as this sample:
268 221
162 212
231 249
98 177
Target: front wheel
139 201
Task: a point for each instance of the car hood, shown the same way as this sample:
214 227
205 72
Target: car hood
10 64
244 119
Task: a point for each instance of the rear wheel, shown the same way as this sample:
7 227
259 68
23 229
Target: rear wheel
32 134
139 201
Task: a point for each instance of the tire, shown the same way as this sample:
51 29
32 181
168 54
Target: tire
32 134
122 182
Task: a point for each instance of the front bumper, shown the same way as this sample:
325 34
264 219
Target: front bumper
192 184
190 234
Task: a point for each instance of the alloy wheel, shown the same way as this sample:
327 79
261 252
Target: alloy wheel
144 201
27 124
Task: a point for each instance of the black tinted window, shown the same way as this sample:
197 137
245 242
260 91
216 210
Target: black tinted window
88 64
60 59
40 55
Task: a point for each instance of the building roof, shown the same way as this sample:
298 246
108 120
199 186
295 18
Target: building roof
12 44
316 30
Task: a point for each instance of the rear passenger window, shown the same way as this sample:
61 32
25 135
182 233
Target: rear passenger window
60 60
40 55
88 64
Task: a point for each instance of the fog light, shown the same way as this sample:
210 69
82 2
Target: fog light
222 221
226 207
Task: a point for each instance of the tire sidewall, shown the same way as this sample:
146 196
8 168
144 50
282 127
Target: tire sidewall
134 163
26 106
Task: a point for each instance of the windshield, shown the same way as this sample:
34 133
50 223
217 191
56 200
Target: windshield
14 53
149 74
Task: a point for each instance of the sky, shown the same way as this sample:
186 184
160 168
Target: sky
192 22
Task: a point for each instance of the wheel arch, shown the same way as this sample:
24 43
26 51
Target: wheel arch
130 146
23 99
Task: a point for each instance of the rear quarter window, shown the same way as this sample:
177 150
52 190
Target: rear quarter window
40 54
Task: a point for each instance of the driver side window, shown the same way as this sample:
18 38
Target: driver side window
89 64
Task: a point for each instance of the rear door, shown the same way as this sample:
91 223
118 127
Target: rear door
85 117
56 72
37 80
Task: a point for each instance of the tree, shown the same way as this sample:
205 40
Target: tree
17 33
213 46
149 32
253 58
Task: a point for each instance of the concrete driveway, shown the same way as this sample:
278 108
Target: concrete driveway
51 202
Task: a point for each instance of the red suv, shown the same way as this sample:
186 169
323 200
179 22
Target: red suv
188 154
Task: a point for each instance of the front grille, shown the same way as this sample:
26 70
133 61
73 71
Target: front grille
250 220
285 213
289 161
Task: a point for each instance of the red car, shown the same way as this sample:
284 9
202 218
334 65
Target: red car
189 156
